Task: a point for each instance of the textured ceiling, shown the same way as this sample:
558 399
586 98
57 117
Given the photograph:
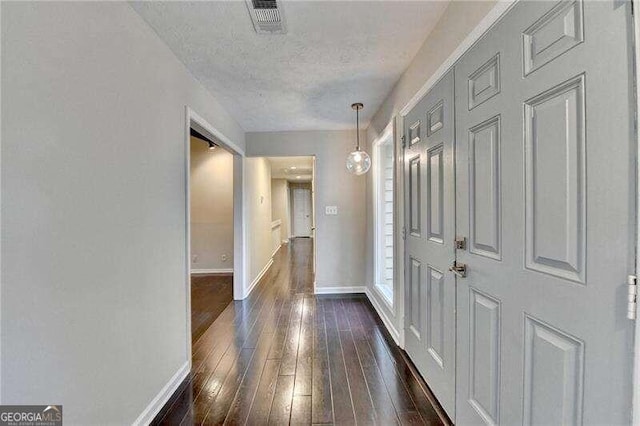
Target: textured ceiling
334 53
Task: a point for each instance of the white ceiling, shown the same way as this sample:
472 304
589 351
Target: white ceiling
334 53
293 169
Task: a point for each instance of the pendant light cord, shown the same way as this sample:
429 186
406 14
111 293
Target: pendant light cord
358 129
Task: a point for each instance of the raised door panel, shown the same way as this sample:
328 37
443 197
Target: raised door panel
435 194
415 194
553 375
485 224
484 83
555 181
484 356
435 317
414 133
435 118
556 32
415 309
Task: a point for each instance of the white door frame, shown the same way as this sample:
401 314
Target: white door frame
192 119
485 24
293 214
636 361
396 309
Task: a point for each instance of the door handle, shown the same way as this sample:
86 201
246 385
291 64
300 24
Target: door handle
460 269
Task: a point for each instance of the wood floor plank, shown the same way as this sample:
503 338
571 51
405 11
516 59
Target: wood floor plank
341 315
301 410
238 411
340 391
321 402
362 403
261 405
290 353
304 364
207 396
281 407
222 403
280 335
382 401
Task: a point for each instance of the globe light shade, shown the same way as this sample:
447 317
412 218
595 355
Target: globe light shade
358 162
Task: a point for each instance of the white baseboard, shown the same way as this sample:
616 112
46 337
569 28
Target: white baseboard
212 271
163 396
258 278
382 313
341 290
276 250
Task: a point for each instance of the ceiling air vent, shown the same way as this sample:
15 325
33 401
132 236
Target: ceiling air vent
267 16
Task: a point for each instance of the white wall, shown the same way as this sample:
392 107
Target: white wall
340 239
93 208
258 216
459 19
211 207
280 205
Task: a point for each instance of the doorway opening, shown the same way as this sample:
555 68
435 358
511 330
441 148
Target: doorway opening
292 200
211 231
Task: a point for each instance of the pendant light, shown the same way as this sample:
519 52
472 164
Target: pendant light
358 162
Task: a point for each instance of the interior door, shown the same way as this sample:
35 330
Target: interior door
545 189
430 216
302 212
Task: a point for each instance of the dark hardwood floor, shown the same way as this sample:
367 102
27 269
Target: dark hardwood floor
210 295
286 356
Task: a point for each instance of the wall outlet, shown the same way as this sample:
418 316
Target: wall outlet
194 258
224 257
331 210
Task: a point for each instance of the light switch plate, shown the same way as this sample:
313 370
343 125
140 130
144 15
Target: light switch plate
331 210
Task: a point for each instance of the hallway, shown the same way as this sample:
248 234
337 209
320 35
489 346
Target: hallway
284 356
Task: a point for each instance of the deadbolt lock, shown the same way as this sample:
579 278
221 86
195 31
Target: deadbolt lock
460 243
460 269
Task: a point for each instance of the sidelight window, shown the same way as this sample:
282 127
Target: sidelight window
383 176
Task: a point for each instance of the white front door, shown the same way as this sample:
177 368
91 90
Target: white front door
302 221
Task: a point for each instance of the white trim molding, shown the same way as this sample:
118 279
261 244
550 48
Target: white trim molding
257 279
388 323
636 357
201 122
341 289
220 271
156 404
